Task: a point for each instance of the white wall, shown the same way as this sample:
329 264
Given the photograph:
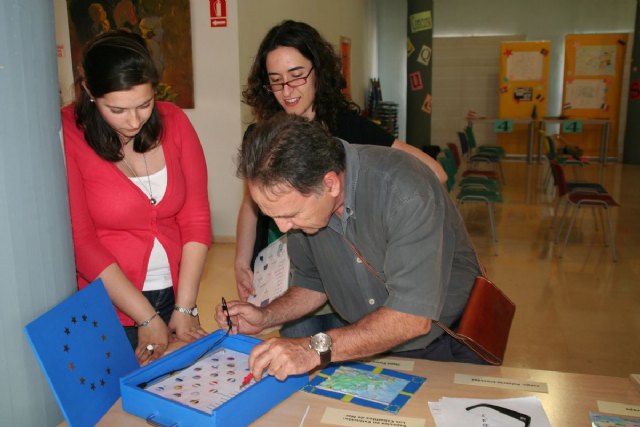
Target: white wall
392 54
221 59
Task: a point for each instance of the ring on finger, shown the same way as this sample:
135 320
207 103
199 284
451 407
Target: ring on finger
151 348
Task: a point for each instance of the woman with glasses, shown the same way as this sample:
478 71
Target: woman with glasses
297 70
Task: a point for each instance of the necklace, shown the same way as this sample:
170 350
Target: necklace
152 200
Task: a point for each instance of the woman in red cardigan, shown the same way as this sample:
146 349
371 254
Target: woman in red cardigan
138 194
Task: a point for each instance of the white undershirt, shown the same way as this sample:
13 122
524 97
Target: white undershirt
158 271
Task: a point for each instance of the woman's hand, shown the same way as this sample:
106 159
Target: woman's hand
244 282
186 326
153 340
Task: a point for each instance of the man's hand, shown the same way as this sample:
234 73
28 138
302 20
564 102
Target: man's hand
281 357
244 282
246 318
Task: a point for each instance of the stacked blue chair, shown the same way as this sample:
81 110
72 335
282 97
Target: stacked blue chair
474 190
476 159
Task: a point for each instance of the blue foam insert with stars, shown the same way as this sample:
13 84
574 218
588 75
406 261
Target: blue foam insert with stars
83 351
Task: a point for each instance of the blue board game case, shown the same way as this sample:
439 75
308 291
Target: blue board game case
241 410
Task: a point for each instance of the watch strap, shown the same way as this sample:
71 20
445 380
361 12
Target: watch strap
325 357
189 311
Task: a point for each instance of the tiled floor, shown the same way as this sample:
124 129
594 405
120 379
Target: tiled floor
579 313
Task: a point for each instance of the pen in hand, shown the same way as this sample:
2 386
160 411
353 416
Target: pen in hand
249 377
246 380
225 310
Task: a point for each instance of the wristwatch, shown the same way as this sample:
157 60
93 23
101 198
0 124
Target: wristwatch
190 311
321 343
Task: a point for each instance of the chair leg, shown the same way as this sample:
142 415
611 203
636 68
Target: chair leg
562 218
491 208
555 213
566 238
501 173
604 228
611 235
547 177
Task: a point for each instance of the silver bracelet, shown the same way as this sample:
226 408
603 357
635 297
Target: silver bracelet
146 322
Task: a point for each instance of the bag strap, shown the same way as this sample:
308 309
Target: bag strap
371 270
366 263
477 348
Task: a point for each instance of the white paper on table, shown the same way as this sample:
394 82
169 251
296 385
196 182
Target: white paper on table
270 273
452 412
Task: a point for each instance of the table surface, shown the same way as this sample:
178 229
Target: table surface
569 399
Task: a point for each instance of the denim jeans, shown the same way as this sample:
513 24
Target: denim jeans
311 325
444 349
162 301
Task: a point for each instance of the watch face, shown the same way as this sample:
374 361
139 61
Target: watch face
194 311
321 342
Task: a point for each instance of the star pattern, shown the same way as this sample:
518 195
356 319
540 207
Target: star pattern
67 349
84 351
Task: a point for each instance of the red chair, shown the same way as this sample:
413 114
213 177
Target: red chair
489 174
602 202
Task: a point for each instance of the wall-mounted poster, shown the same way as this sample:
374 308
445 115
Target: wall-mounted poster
585 93
595 60
525 65
523 94
593 70
522 87
165 25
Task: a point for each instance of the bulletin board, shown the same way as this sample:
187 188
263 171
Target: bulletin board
592 85
523 86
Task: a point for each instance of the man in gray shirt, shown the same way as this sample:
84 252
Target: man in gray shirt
370 229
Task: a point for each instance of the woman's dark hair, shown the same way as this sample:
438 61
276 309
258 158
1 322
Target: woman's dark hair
328 100
114 61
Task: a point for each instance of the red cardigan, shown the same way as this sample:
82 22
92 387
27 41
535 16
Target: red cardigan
112 219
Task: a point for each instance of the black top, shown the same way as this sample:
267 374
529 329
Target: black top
356 129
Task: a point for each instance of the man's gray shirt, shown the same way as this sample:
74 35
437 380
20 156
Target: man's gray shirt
403 222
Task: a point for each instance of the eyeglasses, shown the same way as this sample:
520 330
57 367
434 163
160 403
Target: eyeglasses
277 87
525 419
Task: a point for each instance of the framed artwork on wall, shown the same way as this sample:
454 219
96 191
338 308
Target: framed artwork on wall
165 25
